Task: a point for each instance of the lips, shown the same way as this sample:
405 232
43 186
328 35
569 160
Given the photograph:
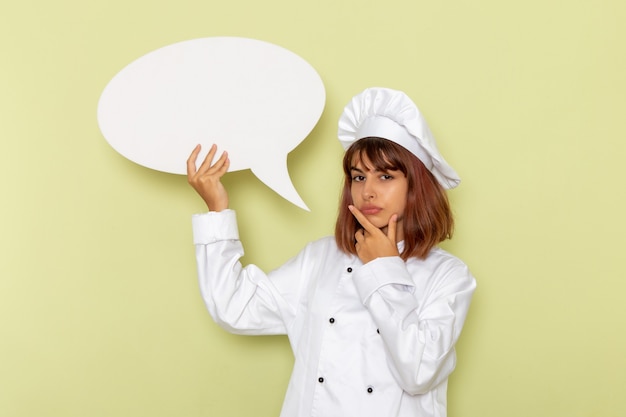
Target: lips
370 210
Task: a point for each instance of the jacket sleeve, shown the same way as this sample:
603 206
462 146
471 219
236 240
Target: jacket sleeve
242 300
419 330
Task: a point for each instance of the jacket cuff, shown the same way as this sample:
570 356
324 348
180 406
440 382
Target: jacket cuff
379 273
214 226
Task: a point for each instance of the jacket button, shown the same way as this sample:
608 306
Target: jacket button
331 320
320 379
349 269
370 390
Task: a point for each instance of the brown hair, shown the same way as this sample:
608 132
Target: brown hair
428 218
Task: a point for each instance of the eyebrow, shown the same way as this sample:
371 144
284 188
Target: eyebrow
370 170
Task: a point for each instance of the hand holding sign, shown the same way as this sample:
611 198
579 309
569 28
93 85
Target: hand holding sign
206 179
253 99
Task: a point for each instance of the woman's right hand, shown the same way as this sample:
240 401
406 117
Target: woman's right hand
206 179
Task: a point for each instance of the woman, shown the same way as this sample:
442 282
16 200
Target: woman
373 313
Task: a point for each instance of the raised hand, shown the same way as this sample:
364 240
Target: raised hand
206 180
372 242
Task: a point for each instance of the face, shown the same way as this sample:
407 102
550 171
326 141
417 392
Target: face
379 194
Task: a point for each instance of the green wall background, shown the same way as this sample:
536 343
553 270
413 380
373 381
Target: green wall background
100 313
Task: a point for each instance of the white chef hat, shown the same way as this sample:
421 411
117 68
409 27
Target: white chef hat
390 114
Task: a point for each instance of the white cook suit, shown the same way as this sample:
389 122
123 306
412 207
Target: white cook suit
369 340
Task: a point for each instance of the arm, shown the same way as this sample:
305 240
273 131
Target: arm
240 299
419 329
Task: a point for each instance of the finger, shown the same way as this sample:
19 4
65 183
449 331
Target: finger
225 164
218 168
208 160
391 229
191 161
359 240
359 236
369 227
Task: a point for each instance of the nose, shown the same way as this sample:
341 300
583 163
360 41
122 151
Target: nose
368 191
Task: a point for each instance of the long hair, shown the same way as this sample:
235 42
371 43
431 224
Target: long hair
428 219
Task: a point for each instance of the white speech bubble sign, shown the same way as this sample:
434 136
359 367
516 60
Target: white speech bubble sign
254 99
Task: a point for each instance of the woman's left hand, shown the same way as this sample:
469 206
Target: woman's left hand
371 242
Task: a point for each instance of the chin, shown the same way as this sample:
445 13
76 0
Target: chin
379 224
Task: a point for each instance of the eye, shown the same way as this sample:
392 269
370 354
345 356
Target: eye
386 177
358 178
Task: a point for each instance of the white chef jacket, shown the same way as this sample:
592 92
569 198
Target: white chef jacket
369 340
